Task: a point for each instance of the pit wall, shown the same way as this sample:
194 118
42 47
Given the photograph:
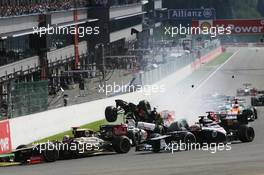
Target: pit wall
30 128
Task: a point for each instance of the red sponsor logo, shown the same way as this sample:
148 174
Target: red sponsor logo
5 139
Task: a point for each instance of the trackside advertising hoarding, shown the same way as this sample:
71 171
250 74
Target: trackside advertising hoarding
192 14
243 26
5 139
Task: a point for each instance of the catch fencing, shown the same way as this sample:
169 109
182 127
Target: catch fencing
28 98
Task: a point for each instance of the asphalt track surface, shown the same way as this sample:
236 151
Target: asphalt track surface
246 65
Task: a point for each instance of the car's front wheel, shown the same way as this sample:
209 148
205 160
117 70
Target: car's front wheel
51 153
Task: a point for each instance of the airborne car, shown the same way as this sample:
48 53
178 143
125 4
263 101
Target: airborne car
148 129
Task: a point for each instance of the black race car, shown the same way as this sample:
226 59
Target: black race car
257 101
225 128
237 127
208 131
84 142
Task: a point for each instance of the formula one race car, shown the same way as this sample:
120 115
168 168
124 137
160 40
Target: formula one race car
238 106
247 91
257 101
84 142
208 131
148 129
237 127
225 128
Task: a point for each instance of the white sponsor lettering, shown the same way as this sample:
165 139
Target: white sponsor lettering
4 144
246 29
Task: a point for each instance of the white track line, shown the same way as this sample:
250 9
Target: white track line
213 73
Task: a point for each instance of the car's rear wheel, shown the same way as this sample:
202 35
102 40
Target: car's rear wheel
121 144
156 146
19 156
246 133
254 102
255 113
189 139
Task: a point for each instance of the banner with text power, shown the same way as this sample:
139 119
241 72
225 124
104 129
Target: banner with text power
5 139
239 26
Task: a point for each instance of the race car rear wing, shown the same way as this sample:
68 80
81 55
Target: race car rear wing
242 119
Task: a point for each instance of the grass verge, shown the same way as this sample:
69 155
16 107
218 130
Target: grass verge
201 73
220 59
93 126
6 164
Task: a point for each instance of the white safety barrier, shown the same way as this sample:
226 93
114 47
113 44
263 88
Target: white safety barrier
30 128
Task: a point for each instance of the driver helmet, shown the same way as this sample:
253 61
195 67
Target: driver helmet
236 109
66 138
235 106
212 116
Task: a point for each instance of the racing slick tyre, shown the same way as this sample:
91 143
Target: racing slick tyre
189 139
21 147
134 137
18 155
121 144
246 133
255 113
110 113
156 146
51 153
249 114
254 102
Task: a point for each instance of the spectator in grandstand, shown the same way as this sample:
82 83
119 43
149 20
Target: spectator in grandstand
29 7
12 9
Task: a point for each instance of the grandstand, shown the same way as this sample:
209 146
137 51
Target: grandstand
65 59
